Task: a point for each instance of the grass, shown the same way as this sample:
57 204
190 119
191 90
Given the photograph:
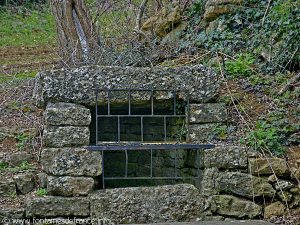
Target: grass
17 77
26 27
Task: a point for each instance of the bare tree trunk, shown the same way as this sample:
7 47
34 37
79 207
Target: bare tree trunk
77 38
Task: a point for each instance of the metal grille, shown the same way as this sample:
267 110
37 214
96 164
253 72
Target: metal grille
105 96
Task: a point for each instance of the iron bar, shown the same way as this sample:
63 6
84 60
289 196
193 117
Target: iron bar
151 163
142 130
152 105
126 167
149 178
141 89
188 115
119 130
96 111
198 163
129 102
175 163
108 102
145 146
165 128
103 174
171 116
174 103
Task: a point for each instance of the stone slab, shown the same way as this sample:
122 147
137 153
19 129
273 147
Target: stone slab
50 206
228 222
181 202
77 85
71 162
67 114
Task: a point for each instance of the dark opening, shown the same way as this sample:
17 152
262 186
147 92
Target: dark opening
158 117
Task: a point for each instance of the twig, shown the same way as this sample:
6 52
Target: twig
265 14
140 15
289 84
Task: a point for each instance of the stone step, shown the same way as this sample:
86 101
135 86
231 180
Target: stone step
228 222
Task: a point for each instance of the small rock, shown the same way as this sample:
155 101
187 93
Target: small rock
274 209
43 178
7 188
244 185
283 185
295 190
272 179
266 166
228 205
25 182
296 201
15 159
285 196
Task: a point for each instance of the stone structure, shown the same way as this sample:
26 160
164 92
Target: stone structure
234 181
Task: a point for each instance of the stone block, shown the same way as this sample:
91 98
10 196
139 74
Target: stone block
71 162
244 185
66 136
266 166
148 204
208 113
70 186
227 205
209 185
51 206
13 212
25 182
67 114
274 209
50 86
7 188
202 133
226 157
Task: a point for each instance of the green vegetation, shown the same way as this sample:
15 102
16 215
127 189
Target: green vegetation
274 36
21 141
17 77
26 27
24 166
41 192
241 67
3 166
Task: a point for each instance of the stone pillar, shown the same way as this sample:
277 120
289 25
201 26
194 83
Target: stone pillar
70 168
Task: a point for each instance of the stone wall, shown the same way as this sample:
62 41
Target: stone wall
234 182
